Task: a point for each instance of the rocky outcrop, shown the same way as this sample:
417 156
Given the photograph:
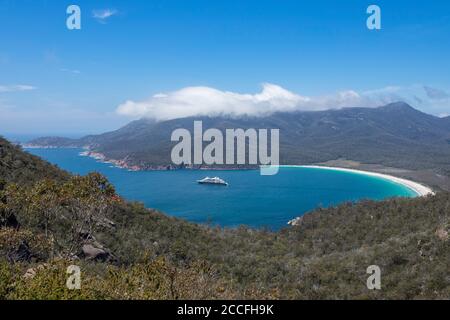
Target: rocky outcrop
442 234
94 251
296 222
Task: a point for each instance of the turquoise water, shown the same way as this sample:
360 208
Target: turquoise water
250 199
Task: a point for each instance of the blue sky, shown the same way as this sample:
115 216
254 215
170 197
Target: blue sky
255 55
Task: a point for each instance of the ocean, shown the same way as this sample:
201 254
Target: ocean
250 199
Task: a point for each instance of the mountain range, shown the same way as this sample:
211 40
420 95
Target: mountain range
393 135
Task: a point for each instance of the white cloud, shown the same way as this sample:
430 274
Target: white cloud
70 71
436 94
198 101
425 98
16 87
209 101
103 14
193 101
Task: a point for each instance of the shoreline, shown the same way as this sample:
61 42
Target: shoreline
123 164
420 189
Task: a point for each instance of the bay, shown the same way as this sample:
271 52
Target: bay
250 199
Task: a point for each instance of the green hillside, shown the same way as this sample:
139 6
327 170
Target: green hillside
23 168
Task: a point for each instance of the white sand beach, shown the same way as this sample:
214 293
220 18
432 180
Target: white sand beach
421 190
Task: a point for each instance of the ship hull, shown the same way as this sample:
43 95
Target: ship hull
214 183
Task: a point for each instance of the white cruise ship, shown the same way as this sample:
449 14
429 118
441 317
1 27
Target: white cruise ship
215 180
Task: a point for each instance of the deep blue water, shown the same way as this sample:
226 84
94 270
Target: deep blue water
250 199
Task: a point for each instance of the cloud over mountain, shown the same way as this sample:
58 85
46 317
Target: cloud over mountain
198 101
192 101
434 93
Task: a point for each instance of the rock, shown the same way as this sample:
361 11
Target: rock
442 234
30 274
296 222
93 253
106 223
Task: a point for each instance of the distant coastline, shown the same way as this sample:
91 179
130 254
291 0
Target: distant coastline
122 164
125 164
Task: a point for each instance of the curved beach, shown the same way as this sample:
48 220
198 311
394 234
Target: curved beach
420 189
